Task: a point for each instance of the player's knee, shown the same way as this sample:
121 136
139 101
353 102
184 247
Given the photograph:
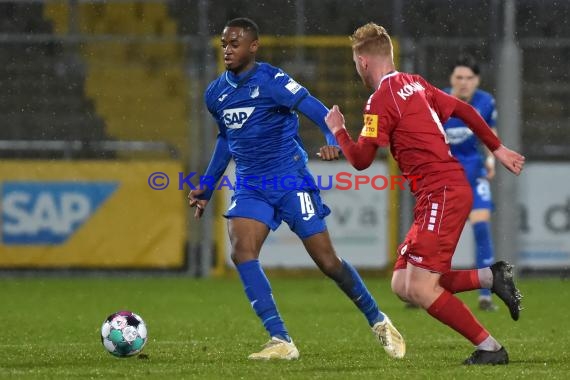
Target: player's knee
398 288
399 285
330 265
239 256
235 258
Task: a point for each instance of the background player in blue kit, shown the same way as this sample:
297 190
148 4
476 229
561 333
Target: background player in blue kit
465 147
254 106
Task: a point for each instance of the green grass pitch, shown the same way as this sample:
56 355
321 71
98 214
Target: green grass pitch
204 329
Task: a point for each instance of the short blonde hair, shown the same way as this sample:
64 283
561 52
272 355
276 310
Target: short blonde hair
371 39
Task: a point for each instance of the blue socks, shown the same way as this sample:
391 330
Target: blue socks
352 285
484 248
258 292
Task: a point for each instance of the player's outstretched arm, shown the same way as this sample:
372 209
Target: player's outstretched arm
361 154
476 123
218 163
510 159
316 111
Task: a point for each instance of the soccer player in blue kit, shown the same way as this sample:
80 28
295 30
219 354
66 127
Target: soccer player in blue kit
254 106
464 145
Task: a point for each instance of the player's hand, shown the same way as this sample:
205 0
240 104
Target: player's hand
200 204
334 119
329 153
490 166
510 159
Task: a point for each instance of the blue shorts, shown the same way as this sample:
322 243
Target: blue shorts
301 208
477 177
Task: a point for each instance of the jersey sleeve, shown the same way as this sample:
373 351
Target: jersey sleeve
316 111
378 122
360 154
285 90
443 104
221 155
477 124
210 100
218 163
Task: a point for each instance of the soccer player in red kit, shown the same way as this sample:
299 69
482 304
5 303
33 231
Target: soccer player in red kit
406 113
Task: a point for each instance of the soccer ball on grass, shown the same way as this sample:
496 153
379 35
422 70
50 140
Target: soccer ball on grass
124 334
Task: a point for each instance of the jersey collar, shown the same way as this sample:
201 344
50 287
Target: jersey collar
390 74
237 80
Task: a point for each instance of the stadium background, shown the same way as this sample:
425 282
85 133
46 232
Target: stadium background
97 95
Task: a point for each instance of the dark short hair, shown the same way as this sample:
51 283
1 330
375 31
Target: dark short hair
247 24
466 61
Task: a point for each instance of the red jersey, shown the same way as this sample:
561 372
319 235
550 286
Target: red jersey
408 113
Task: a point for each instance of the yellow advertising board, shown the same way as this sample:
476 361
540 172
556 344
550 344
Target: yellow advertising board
91 214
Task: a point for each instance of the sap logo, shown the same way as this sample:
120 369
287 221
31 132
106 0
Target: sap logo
40 213
458 135
236 117
409 89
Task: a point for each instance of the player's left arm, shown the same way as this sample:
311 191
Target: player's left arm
316 111
512 160
287 92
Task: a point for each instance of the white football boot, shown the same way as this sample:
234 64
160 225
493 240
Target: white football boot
276 349
390 338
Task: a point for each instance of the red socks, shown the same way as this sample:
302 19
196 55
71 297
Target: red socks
449 310
457 281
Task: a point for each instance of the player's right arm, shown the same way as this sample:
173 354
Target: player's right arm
360 154
221 157
219 161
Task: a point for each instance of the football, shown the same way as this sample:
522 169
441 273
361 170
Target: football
124 334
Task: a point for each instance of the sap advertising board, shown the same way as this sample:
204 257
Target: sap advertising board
40 213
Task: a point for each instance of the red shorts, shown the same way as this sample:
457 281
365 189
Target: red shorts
439 217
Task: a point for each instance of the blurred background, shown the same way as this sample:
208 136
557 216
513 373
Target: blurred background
96 96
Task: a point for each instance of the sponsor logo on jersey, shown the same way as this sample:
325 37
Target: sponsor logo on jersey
49 213
279 74
293 86
417 259
409 90
370 128
221 98
458 135
235 118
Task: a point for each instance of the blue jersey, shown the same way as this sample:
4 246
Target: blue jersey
254 112
464 144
